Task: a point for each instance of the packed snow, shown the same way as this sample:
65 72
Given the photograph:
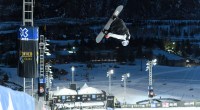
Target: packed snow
169 82
166 80
14 100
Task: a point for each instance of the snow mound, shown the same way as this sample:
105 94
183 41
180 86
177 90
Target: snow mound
15 100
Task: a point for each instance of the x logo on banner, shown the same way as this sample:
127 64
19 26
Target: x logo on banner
23 32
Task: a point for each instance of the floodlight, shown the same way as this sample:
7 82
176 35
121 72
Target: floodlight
122 79
128 75
46 49
111 71
73 68
47 53
46 44
147 68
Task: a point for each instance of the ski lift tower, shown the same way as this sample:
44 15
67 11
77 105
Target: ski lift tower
150 64
28 48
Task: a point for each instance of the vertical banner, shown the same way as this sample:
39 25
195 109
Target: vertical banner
28 52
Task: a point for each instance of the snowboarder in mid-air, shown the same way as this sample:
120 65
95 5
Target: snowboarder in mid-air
119 31
115 28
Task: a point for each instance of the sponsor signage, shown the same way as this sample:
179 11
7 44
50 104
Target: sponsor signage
28 52
28 33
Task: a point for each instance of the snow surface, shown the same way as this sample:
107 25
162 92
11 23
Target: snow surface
14 100
177 108
169 82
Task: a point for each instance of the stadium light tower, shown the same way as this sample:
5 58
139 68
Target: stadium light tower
73 69
44 83
124 78
46 50
48 75
150 64
109 73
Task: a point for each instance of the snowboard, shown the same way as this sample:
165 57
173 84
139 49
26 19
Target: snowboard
107 26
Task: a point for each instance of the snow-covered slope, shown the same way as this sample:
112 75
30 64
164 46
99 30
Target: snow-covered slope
14 100
169 82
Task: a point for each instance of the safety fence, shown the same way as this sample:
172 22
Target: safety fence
164 105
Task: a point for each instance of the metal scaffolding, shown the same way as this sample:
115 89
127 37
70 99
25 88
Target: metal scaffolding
150 64
42 50
28 21
27 13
